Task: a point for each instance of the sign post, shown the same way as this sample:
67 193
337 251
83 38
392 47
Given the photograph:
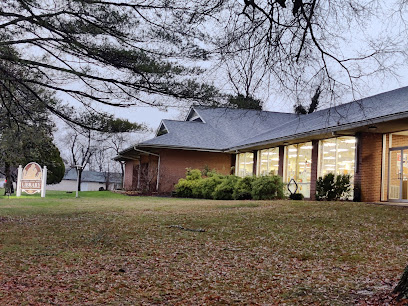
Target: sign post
44 181
19 177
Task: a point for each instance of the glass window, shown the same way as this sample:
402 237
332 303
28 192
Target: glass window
245 164
337 155
399 139
346 148
328 156
269 161
299 166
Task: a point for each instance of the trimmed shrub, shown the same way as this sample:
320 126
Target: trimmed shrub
267 188
332 187
193 174
209 184
243 188
296 196
187 188
225 190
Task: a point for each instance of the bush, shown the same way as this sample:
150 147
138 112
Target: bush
243 188
225 190
296 196
267 188
186 188
190 186
332 187
193 174
209 184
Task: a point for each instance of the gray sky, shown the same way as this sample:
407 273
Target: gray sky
275 101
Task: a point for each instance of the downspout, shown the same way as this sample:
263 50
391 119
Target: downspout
158 165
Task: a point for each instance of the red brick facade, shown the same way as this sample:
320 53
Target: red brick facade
173 165
369 164
369 169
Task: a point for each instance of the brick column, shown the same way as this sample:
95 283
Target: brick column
369 169
254 166
357 171
313 177
281 159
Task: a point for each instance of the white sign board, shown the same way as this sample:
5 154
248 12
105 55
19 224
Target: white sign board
31 179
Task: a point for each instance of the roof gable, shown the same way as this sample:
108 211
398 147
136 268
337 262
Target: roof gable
193 115
162 130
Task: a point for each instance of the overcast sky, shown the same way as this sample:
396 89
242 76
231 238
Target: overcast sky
274 101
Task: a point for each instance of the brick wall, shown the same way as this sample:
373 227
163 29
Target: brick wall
368 175
173 164
313 175
128 179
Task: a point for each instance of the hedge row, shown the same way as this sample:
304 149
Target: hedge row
212 185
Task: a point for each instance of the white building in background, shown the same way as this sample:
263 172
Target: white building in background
91 181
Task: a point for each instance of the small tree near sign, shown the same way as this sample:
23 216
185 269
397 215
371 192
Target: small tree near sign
31 179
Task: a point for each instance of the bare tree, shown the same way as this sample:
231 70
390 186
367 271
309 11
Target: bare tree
304 44
82 149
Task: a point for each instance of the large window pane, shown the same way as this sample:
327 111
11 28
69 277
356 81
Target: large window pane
346 148
269 161
249 163
299 166
245 164
337 156
291 162
328 156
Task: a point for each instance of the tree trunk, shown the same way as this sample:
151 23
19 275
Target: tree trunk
79 179
402 288
107 180
9 180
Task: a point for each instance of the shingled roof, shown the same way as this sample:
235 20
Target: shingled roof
383 107
224 129
220 129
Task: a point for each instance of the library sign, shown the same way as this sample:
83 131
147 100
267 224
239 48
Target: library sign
31 179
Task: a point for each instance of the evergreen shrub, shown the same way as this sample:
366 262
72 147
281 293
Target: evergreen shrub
225 190
267 188
333 187
211 185
243 188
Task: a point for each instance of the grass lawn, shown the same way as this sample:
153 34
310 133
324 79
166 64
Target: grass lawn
109 248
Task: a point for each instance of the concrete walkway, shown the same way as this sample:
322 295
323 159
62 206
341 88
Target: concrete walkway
402 204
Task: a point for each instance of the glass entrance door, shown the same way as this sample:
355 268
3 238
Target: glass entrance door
398 175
